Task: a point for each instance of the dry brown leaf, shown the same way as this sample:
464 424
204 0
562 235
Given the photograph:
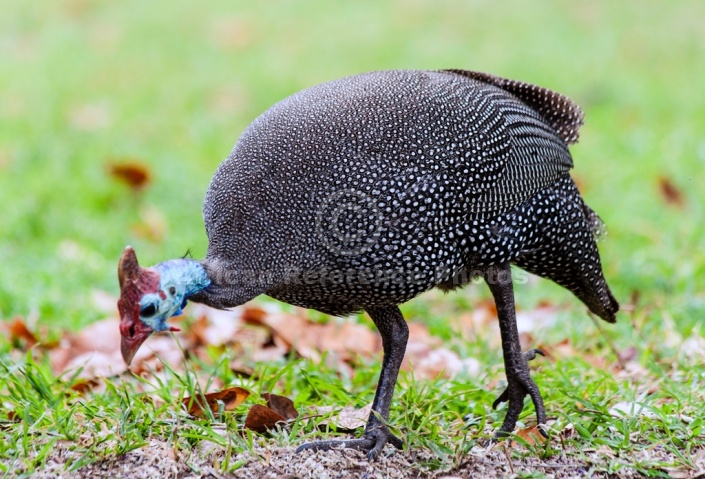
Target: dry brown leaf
103 336
82 386
252 338
197 332
350 418
309 339
229 399
348 338
241 369
131 172
670 192
532 435
442 362
294 332
270 353
59 357
281 405
157 350
261 418
97 364
216 328
254 315
18 330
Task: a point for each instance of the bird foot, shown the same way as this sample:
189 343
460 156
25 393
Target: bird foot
528 356
372 442
520 385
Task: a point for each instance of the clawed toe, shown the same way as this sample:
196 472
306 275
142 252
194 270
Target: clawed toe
371 442
520 385
531 354
528 356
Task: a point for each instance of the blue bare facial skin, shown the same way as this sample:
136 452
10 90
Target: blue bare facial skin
150 296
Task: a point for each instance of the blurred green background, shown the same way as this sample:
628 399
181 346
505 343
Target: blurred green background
171 85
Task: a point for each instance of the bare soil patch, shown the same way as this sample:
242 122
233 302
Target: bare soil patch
158 459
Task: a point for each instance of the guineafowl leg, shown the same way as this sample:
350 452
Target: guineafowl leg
395 334
516 363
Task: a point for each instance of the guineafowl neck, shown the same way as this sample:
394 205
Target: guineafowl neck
188 275
229 286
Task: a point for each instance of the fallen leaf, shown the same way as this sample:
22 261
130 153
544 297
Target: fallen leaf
18 330
348 419
103 336
261 418
670 192
270 353
82 386
97 364
445 363
134 174
281 405
217 328
309 339
253 314
229 399
532 435
157 350
240 369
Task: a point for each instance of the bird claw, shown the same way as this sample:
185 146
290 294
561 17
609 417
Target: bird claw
372 442
528 356
519 386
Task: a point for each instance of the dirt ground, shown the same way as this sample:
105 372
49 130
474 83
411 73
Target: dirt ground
158 459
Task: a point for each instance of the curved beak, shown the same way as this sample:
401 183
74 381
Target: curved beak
130 345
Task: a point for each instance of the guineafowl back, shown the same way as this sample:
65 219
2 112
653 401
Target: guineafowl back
369 190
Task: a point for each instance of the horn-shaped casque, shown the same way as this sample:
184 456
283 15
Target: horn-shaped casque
128 266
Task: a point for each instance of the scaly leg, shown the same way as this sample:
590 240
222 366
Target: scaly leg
395 334
516 364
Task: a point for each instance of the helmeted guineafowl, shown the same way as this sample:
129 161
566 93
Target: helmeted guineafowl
361 193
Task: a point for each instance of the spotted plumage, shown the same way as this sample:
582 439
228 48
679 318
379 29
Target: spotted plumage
361 193
430 173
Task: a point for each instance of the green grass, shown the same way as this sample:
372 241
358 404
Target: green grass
172 84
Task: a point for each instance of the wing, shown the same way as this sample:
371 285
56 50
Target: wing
540 124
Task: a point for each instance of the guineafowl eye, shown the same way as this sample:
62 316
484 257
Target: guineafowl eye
172 291
148 311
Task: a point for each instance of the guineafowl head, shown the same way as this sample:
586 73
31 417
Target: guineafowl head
150 296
